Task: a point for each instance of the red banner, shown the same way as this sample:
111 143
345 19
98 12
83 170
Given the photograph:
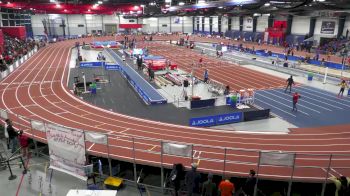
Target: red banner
280 24
17 32
130 26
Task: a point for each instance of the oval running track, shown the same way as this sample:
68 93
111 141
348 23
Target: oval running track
37 90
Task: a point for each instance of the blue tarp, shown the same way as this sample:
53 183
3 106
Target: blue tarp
146 91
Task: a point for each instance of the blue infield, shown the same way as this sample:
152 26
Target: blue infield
315 107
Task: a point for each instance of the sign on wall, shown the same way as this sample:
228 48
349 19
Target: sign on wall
249 23
327 27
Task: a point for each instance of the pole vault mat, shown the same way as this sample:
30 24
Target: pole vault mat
315 107
113 183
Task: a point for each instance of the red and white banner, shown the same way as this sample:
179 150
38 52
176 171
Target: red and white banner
67 150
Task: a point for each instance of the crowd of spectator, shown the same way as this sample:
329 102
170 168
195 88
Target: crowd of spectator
14 49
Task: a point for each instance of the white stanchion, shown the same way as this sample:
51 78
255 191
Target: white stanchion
16 64
325 76
21 60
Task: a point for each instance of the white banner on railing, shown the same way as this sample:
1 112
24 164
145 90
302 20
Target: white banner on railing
96 138
11 68
4 74
38 125
3 114
16 64
67 150
21 60
177 149
277 158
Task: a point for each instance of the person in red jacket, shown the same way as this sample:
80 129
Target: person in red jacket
23 141
296 97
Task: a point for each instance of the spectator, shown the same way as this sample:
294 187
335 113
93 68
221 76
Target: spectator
192 179
24 143
226 188
249 185
342 185
12 136
209 187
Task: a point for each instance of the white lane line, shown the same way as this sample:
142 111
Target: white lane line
328 172
100 125
275 107
64 112
326 94
125 130
336 172
289 101
306 101
91 146
320 101
327 99
282 103
24 106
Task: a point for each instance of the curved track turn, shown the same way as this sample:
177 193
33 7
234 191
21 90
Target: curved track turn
37 90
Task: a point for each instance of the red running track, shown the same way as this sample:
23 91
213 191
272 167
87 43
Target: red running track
37 90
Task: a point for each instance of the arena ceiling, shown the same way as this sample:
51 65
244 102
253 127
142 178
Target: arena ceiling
327 8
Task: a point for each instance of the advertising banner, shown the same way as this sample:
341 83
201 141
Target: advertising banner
67 150
328 27
277 158
206 121
91 64
229 118
177 149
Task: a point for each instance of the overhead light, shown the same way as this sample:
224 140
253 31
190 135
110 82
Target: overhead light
181 3
267 4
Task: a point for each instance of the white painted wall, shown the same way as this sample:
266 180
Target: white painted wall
318 35
215 27
206 24
248 24
235 23
300 25
262 23
90 22
224 24
185 23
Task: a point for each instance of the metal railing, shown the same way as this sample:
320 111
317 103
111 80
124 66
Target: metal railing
223 161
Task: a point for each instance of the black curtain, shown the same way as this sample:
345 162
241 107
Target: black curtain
203 24
312 26
289 24
270 21
255 23
241 23
210 25
229 24
341 26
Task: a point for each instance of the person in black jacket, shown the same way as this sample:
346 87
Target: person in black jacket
290 82
12 136
249 185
